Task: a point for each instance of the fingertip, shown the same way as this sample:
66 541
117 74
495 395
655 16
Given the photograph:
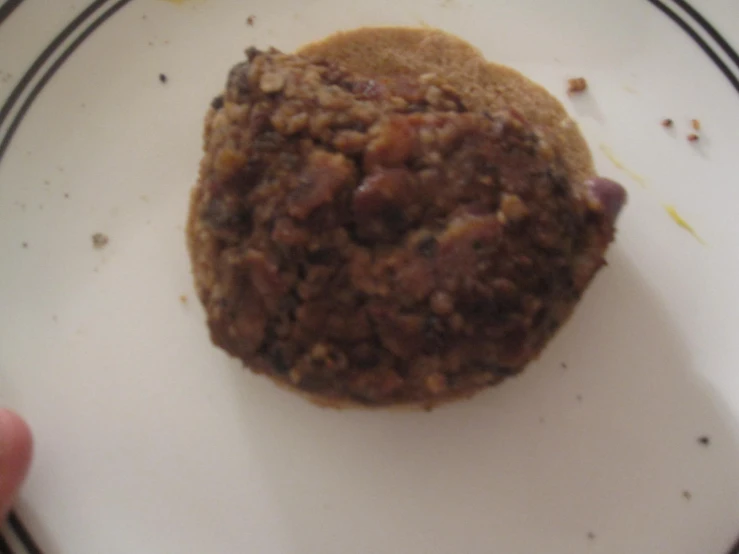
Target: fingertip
16 449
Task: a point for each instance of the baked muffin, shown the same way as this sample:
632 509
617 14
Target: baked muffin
367 233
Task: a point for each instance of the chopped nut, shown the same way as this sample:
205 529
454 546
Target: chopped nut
667 123
692 137
272 82
513 207
442 303
436 383
695 124
183 298
576 85
100 240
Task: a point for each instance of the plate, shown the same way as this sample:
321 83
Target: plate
621 438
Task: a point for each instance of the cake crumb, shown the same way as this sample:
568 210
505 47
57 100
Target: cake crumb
100 240
705 440
250 20
563 365
693 137
162 78
576 85
695 124
591 536
687 495
183 298
24 245
667 123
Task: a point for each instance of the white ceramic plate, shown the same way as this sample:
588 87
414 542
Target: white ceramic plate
151 440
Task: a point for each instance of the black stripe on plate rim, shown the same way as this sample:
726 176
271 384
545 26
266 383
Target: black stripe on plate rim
44 57
4 546
710 29
23 535
107 14
7 8
699 41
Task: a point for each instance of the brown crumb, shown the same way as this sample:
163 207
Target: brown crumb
576 85
563 365
687 495
667 123
24 245
162 78
100 240
695 124
578 397
250 20
66 195
705 440
591 536
692 137
183 298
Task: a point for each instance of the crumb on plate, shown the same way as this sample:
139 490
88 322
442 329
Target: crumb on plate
100 240
576 85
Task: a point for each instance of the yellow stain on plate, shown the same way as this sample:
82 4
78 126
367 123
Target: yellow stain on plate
677 218
615 161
